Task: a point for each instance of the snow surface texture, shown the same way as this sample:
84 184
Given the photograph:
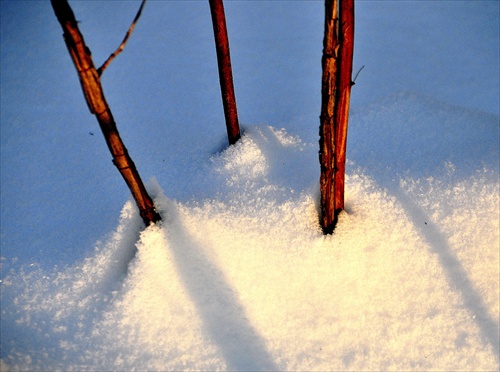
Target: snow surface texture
238 275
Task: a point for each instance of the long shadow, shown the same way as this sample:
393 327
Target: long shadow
414 143
455 272
223 316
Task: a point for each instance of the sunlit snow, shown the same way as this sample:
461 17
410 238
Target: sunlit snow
238 275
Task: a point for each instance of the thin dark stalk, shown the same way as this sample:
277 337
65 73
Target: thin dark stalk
225 70
100 70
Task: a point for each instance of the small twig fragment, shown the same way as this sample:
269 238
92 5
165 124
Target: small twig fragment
125 39
357 73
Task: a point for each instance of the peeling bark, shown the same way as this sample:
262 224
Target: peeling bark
327 156
336 84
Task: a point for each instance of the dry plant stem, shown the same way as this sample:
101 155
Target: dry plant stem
225 71
346 34
94 95
327 144
338 46
125 39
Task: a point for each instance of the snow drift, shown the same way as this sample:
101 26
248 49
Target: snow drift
243 279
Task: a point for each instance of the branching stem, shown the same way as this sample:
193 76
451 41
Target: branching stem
125 39
94 96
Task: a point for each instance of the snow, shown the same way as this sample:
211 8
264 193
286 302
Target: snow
238 275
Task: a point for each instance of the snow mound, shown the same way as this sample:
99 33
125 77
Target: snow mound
244 279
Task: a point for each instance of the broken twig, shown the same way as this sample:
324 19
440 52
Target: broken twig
125 39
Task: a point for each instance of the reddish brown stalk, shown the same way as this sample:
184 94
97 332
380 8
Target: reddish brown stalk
346 34
327 119
225 70
336 84
94 95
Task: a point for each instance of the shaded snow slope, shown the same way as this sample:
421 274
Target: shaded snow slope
243 279
419 45
409 134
